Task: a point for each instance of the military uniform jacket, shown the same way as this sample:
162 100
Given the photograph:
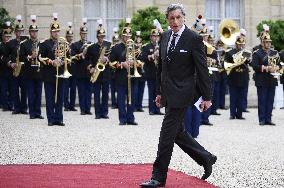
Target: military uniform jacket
1 59
150 69
239 76
281 54
93 54
118 53
215 76
80 68
47 50
259 58
30 72
9 52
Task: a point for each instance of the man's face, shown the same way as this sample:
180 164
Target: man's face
175 20
83 36
55 35
125 38
240 46
266 45
101 38
33 34
6 38
18 33
154 38
69 38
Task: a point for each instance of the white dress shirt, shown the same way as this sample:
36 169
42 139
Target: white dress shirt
177 38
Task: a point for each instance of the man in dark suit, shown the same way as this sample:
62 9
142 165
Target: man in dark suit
182 59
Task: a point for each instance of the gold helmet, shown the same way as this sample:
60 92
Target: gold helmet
19 26
69 31
155 32
126 31
33 26
264 35
54 26
84 28
100 31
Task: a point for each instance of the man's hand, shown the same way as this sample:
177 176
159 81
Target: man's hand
205 105
158 101
56 63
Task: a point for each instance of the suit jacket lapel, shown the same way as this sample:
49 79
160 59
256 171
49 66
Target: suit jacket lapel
181 40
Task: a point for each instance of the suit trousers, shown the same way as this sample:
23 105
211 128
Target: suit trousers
237 97
101 90
85 94
173 131
70 92
54 110
265 102
192 120
125 110
19 93
151 83
216 97
34 90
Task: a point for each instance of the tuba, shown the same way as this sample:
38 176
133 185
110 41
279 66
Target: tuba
99 67
239 59
229 30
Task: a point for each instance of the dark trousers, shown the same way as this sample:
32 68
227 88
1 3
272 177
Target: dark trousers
173 131
265 103
113 93
245 102
85 94
6 92
151 83
54 110
34 91
192 120
237 97
223 92
125 110
19 93
216 97
70 92
101 90
139 92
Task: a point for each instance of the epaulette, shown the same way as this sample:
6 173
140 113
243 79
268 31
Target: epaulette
23 41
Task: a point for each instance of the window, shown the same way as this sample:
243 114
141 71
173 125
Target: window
217 10
110 11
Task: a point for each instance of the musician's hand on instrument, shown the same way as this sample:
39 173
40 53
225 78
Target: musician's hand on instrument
125 64
92 70
205 105
105 60
158 101
13 65
56 63
130 63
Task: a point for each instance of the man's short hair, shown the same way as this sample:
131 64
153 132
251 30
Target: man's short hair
173 7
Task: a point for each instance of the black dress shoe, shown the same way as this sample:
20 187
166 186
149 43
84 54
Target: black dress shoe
151 113
152 183
66 109
246 111
208 167
114 106
282 107
24 112
206 123
32 117
73 109
50 124
132 123
159 113
39 117
105 117
121 123
262 123
241 118
89 113
16 112
139 110
215 113
83 113
98 117
270 123
59 123
232 117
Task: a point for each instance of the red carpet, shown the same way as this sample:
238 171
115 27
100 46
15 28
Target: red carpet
101 175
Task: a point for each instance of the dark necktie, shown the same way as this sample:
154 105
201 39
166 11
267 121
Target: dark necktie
172 47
